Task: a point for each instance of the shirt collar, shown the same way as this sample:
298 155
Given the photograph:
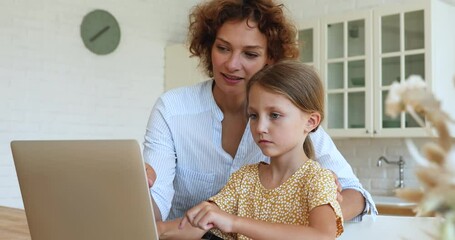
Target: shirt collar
216 111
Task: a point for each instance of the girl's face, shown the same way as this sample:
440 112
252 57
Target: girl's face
279 128
239 51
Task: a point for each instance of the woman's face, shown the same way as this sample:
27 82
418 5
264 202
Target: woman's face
239 51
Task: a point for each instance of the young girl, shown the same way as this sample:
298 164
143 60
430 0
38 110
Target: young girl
290 198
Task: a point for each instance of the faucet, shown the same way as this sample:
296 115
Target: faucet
400 164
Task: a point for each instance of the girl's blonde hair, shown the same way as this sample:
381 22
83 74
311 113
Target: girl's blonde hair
299 83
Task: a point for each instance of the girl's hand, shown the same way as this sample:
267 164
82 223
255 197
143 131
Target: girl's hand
207 215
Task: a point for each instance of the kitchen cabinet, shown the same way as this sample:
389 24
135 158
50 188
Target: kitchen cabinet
392 205
309 40
413 39
395 210
363 53
346 68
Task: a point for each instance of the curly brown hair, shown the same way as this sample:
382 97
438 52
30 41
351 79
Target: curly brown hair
207 17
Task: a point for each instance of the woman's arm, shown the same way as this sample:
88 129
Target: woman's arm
159 155
353 203
151 177
356 200
323 224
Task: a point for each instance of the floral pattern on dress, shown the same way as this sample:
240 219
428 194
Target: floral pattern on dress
290 203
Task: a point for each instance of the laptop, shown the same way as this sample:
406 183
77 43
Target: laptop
84 189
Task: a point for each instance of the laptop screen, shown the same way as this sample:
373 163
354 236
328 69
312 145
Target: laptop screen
84 189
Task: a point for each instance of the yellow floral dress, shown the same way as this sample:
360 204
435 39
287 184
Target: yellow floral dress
290 203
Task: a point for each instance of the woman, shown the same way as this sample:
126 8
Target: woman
198 136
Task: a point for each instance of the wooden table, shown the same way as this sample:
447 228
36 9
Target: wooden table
13 224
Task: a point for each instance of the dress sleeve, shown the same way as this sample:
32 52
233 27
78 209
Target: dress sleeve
330 157
227 198
159 152
323 190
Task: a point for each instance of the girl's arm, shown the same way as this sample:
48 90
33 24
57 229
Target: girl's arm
323 224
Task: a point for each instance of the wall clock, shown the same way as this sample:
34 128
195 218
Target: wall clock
100 32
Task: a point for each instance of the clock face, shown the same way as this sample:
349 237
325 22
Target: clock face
100 32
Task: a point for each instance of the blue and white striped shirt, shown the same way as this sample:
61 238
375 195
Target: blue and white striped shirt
183 145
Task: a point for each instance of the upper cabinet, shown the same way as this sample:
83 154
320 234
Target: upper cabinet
415 39
362 54
309 39
346 68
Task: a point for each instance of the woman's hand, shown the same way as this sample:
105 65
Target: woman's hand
151 175
160 227
339 189
207 215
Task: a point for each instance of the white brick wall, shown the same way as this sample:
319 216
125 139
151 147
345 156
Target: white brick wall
363 154
51 87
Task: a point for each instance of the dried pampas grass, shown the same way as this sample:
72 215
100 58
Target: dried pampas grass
436 169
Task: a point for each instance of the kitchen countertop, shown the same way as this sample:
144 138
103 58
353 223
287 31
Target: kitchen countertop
13 224
391 227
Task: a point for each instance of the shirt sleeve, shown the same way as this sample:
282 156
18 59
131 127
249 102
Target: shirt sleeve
322 190
330 157
159 152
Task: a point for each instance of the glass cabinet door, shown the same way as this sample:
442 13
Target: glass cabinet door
347 72
402 54
308 40
360 54
306 45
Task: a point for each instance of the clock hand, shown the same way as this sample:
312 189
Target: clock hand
99 33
